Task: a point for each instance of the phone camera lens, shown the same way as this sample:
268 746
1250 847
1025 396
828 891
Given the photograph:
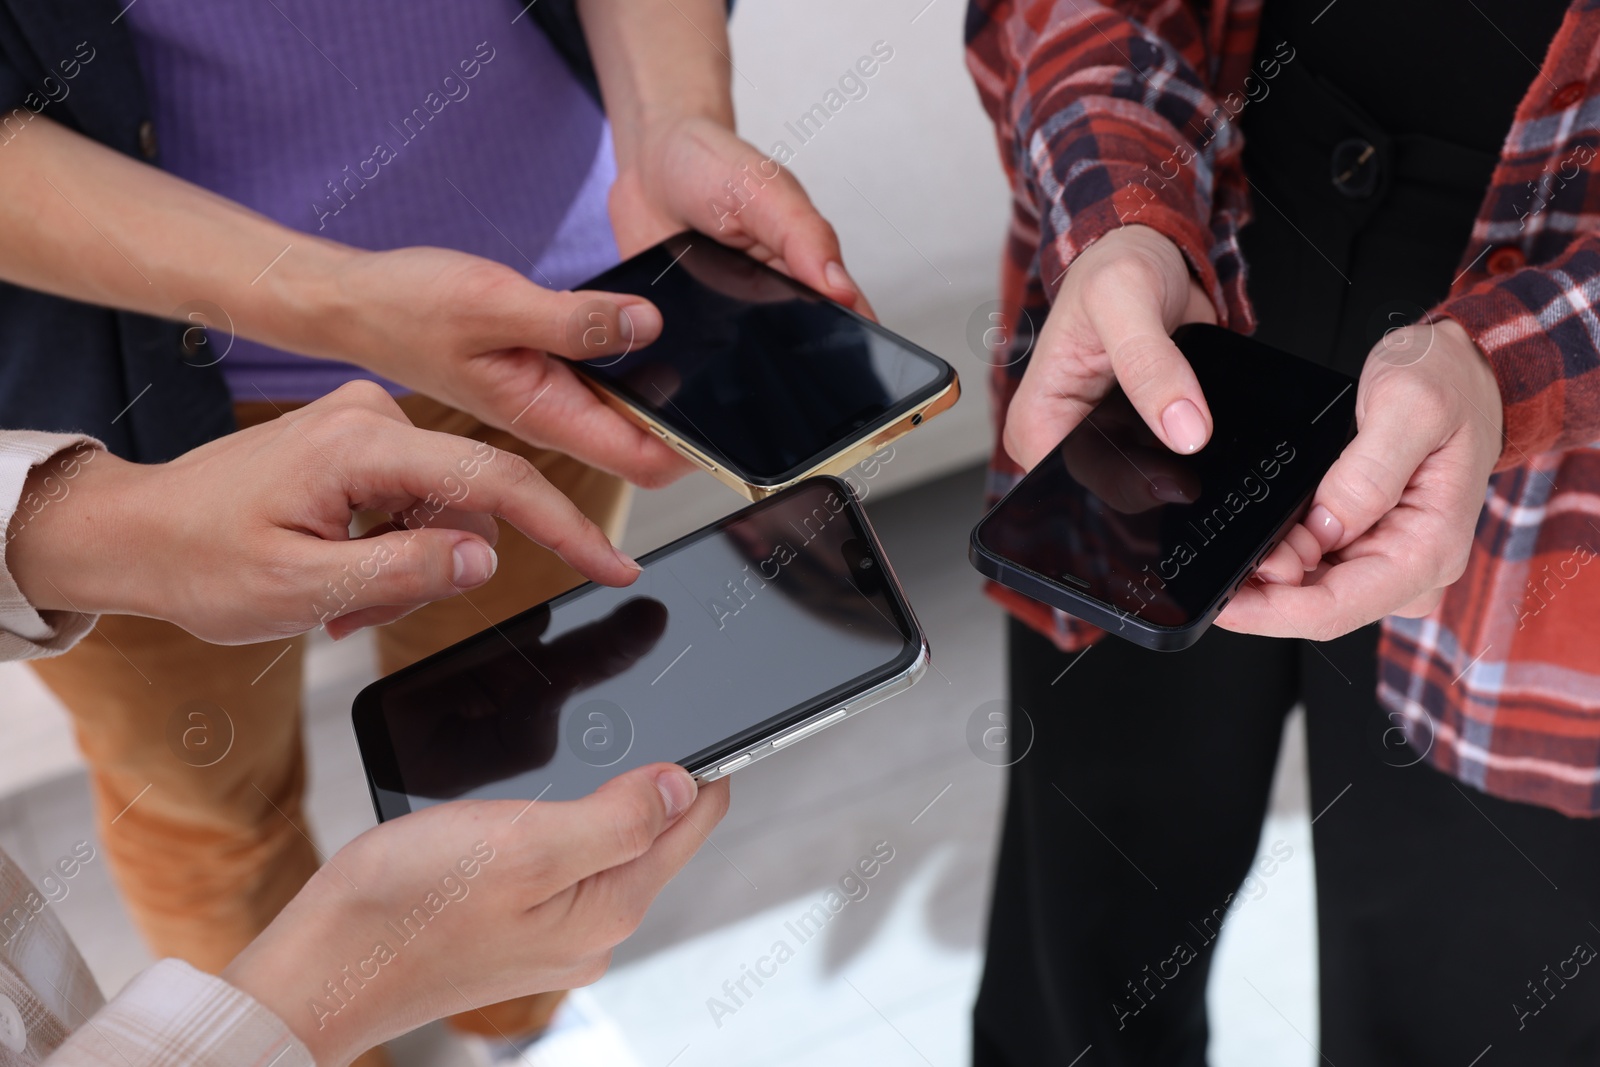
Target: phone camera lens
866 564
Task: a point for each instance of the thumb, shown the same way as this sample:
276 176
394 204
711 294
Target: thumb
1366 481
615 824
578 325
404 569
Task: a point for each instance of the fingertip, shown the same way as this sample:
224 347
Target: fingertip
630 566
678 790
1184 427
845 290
1019 447
1281 567
474 563
640 323
1325 527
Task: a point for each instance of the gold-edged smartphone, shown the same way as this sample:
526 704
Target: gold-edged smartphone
761 380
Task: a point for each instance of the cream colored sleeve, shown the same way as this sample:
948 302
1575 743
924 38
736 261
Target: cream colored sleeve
172 1015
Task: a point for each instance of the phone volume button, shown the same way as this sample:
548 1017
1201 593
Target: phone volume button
809 729
734 764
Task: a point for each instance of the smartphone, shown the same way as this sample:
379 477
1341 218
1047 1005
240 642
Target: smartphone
736 641
757 378
1115 529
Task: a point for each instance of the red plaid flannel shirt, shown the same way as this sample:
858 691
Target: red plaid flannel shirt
1500 687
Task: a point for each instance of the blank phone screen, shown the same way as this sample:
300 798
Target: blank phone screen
759 372
769 616
1111 513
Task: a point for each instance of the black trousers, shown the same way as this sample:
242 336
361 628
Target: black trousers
1136 815
1452 925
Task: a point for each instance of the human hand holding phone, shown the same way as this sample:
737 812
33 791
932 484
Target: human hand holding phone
1110 324
516 898
1392 522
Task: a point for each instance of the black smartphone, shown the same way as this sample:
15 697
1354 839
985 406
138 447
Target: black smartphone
1115 529
757 378
738 640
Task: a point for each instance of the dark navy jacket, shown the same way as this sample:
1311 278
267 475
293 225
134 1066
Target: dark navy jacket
71 366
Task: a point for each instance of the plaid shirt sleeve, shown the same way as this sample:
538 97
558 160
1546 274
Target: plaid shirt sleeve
1538 328
173 1014
1111 114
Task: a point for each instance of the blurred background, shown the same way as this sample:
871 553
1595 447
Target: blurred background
910 177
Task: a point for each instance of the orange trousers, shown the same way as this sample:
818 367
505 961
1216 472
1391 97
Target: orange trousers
207 844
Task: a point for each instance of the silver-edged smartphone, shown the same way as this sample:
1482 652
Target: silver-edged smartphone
736 641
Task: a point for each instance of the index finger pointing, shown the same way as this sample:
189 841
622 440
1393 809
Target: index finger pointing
440 470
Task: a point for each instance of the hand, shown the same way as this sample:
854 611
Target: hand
1392 523
481 337
678 178
502 899
1109 325
247 538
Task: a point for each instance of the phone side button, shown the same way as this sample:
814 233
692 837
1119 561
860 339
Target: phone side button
734 764
809 729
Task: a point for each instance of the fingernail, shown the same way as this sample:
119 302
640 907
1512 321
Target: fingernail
677 789
627 560
1270 578
1164 488
838 278
638 323
1186 430
1325 526
475 564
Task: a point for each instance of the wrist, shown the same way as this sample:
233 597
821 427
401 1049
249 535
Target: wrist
293 970
306 303
1480 385
73 544
658 63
